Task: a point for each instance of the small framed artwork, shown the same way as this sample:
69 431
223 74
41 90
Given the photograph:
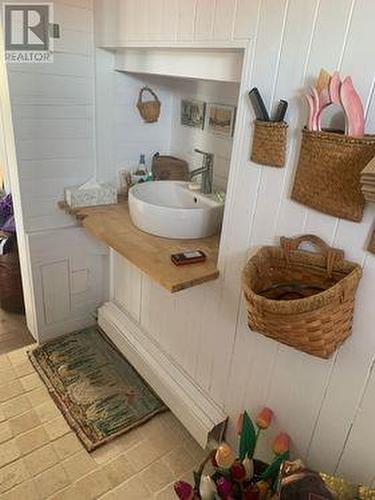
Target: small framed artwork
220 119
193 113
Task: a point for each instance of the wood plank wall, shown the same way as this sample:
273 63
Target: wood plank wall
53 115
53 111
327 406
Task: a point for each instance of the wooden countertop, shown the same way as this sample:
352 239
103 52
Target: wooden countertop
112 225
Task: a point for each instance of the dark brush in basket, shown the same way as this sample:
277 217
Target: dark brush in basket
301 298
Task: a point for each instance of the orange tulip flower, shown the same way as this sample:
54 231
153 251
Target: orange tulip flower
264 418
281 443
224 456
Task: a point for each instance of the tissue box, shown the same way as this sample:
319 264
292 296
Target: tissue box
90 195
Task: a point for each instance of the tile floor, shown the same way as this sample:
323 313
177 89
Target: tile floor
40 457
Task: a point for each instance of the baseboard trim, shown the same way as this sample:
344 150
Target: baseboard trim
191 405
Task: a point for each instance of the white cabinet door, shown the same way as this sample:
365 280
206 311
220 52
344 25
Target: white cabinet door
106 22
245 20
122 22
223 23
186 10
205 17
132 20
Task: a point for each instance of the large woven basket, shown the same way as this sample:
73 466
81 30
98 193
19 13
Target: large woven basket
301 298
149 110
269 143
11 295
329 170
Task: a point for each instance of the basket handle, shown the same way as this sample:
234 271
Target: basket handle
147 89
289 245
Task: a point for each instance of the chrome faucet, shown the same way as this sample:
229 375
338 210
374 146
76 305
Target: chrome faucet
206 170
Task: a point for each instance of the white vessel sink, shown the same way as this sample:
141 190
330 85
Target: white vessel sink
171 210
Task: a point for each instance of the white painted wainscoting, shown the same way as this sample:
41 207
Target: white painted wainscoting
328 407
70 283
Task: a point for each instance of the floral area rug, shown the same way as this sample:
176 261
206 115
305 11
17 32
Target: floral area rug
97 390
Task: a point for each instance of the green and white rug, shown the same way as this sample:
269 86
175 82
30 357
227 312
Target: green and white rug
97 390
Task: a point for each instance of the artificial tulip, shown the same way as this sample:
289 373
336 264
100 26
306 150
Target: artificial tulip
224 487
251 493
281 443
249 468
213 460
207 488
238 471
264 418
263 487
224 456
239 423
184 490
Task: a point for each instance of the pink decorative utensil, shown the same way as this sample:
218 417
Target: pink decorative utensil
323 80
324 102
311 123
334 88
353 108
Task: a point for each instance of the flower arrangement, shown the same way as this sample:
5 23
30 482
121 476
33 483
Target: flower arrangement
6 214
242 477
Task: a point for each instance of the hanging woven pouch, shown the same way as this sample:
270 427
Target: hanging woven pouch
329 170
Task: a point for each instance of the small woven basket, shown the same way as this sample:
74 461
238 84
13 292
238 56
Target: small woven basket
149 110
328 173
301 298
269 143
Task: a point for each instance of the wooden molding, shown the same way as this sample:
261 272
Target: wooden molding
191 405
210 64
371 247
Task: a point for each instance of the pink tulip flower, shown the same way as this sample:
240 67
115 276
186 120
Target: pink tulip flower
281 443
264 418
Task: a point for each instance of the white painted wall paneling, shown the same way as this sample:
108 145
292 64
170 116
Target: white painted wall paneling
53 118
53 111
327 406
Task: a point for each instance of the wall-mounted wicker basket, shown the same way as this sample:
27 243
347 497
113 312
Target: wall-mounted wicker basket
301 298
149 110
269 143
328 173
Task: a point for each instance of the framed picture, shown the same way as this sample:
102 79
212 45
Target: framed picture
193 113
220 119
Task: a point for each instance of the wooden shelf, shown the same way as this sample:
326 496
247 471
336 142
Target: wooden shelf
112 225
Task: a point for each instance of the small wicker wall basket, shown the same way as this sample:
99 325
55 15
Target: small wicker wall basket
269 143
328 173
301 298
149 110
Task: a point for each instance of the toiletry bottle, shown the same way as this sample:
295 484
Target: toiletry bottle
141 170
